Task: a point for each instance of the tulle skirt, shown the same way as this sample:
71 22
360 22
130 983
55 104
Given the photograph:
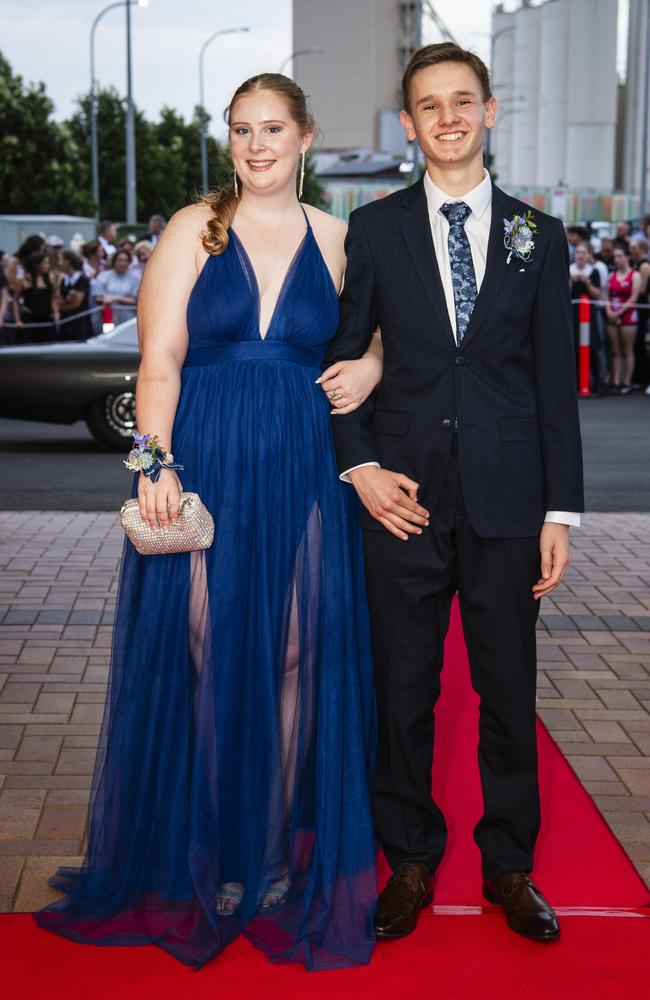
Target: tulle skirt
230 792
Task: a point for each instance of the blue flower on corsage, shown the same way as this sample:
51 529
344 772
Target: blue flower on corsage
149 458
518 238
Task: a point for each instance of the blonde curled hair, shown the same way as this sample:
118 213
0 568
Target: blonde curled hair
223 201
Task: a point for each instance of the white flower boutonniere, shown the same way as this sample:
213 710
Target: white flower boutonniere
518 238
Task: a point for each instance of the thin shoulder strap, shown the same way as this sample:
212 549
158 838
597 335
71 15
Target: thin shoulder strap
306 216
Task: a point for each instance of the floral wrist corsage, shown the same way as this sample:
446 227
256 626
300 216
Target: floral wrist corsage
149 458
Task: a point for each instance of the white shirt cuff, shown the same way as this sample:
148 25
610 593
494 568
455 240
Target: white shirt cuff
345 476
563 517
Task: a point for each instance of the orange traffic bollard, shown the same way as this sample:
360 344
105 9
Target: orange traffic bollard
107 319
584 349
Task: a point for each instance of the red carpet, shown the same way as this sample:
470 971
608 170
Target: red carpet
453 955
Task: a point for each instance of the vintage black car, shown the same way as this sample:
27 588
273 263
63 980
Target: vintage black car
92 381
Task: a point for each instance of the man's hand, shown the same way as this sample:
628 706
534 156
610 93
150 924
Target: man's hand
391 498
554 549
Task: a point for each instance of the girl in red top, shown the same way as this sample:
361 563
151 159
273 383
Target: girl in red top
622 319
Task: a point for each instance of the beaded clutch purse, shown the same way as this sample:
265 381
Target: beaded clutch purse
194 528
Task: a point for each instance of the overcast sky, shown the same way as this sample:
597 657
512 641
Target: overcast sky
48 40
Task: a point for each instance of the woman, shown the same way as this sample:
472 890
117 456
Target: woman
73 300
94 259
142 253
4 297
584 279
17 264
640 262
623 291
118 287
231 788
39 305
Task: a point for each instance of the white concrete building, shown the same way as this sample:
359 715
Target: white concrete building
555 73
634 104
356 81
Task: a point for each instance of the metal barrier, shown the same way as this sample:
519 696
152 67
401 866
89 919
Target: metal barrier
585 305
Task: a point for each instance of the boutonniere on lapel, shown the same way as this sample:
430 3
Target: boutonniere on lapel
518 238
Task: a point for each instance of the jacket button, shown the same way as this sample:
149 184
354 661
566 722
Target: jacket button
459 360
446 424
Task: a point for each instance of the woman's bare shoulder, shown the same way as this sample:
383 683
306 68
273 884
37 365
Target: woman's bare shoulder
328 228
190 220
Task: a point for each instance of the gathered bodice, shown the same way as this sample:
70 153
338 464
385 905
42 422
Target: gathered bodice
224 306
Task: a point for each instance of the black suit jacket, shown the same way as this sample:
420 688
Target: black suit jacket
511 384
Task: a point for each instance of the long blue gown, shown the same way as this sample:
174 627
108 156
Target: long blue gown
239 729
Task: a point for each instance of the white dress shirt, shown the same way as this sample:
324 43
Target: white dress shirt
477 228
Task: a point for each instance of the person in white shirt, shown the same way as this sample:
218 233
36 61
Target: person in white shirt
157 225
118 287
108 237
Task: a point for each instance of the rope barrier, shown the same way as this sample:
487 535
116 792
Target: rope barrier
66 319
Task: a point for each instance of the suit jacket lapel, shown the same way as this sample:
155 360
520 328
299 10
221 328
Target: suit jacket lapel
496 266
417 233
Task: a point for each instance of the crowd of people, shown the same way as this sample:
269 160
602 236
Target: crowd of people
616 280
49 293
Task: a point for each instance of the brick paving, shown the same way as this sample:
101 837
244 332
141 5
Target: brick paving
57 592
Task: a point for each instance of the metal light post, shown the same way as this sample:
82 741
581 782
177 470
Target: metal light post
94 151
646 112
203 122
315 51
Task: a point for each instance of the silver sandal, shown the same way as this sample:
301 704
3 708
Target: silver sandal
277 893
228 898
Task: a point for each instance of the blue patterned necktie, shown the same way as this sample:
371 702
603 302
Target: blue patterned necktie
463 277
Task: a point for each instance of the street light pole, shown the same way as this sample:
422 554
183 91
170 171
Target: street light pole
131 210
646 112
203 116
94 154
94 145
315 51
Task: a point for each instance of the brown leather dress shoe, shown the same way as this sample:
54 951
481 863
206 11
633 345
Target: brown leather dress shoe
526 910
406 893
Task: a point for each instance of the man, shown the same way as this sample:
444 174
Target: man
623 234
606 253
467 461
574 235
107 238
157 225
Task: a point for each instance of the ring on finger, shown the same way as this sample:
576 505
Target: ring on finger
336 395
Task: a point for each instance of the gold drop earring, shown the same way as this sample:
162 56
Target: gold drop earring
235 187
302 174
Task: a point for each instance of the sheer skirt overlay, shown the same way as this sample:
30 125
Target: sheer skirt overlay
239 726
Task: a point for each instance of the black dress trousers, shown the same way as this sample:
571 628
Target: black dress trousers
410 589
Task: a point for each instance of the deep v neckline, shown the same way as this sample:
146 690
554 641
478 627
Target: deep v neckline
285 281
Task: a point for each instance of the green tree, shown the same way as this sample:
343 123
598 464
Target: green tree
45 165
313 191
168 158
111 124
38 157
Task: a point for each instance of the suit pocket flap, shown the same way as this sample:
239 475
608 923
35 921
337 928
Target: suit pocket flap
390 422
519 428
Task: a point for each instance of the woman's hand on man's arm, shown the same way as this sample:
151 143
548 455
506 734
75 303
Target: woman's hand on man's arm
347 384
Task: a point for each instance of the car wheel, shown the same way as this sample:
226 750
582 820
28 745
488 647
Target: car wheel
111 420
